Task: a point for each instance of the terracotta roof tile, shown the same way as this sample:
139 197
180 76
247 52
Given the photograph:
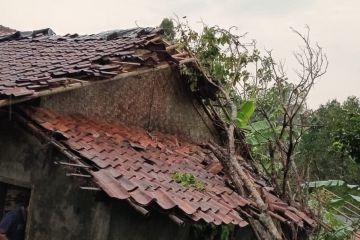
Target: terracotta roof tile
110 185
143 197
33 64
145 174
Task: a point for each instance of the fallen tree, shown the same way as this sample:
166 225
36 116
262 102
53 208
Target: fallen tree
239 77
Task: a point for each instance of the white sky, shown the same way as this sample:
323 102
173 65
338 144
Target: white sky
335 25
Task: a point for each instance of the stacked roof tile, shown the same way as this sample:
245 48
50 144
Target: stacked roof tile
36 61
131 163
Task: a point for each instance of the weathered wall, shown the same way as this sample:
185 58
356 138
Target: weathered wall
137 227
158 227
59 209
155 100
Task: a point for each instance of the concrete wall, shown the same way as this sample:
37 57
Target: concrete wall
155 100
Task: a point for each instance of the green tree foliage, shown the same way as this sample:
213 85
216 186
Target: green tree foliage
245 113
338 205
259 86
228 62
168 25
267 128
330 147
272 111
347 135
221 54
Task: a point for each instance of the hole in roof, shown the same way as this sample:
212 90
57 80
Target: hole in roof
59 136
102 60
205 162
148 161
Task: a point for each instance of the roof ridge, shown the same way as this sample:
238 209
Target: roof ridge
12 34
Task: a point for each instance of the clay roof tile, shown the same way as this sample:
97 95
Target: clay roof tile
145 176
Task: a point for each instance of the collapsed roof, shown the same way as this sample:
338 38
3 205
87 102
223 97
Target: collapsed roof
126 163
133 164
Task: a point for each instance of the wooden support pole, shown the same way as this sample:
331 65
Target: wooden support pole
91 189
130 63
183 54
172 47
187 60
72 164
278 217
155 39
63 150
180 58
78 175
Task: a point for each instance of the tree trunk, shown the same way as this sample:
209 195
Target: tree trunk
240 177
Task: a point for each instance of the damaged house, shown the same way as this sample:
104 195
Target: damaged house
100 129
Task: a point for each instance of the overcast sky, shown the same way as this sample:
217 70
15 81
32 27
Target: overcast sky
334 25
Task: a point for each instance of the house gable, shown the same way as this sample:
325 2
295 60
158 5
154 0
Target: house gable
155 99
126 76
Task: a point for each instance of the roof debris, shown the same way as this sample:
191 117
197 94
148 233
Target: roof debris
131 164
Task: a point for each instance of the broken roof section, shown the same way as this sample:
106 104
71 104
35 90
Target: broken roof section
132 164
126 163
38 63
